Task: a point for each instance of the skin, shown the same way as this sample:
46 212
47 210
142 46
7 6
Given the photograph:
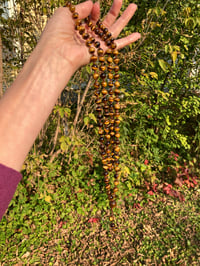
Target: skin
60 52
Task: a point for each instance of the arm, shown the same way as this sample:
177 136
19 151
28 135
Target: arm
60 52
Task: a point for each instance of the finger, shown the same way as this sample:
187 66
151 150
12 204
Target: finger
95 13
127 40
119 25
84 9
113 13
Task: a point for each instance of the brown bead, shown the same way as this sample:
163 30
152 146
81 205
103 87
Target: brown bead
72 8
101 139
75 15
110 91
110 84
103 75
117 129
96 85
93 58
107 130
109 51
95 76
98 101
101 59
113 46
112 121
97 44
108 187
94 67
99 109
117 169
112 133
100 52
110 68
106 180
85 35
107 122
110 75
112 204
111 218
116 68
117 141
117 149
105 167
104 84
116 183
78 22
117 99
115 52
109 60
108 34
107 136
117 84
104 161
108 42
116 76
117 115
104 92
117 135
116 61
110 99
117 91
91 50
103 68
111 128
81 29
93 27
68 4
101 131
115 189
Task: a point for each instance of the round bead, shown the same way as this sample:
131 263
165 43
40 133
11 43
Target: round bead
117 91
117 129
75 15
94 67
107 136
81 30
97 44
104 92
109 59
101 59
116 76
115 189
110 75
116 68
103 68
104 84
116 61
108 187
101 139
95 76
103 75
117 169
100 52
117 99
91 50
116 183
111 218
113 46
117 149
117 135
112 204
117 84
93 58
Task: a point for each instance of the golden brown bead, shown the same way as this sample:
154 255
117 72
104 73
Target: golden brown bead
103 68
108 187
116 183
104 84
75 15
100 52
104 92
91 50
109 51
81 29
107 136
93 58
115 189
113 46
117 129
110 75
101 59
116 68
95 76
117 91
117 135
72 8
117 149
116 61
117 169
109 59
117 99
116 76
117 84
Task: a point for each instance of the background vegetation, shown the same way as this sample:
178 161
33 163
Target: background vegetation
59 212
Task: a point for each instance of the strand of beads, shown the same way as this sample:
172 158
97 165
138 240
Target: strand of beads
106 89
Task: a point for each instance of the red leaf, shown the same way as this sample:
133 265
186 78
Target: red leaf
93 220
150 193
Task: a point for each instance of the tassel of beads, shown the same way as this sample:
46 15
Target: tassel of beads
106 89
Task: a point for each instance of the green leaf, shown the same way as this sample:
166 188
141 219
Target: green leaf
92 117
174 57
163 65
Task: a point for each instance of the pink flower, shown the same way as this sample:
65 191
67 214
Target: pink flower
93 220
150 192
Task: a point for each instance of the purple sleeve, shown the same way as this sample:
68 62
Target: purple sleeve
9 179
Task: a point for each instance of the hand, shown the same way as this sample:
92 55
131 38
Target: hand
61 36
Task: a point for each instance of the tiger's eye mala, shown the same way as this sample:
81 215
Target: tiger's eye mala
105 70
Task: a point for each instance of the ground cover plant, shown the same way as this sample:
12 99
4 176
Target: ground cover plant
59 215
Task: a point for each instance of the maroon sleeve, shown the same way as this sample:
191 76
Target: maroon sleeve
9 179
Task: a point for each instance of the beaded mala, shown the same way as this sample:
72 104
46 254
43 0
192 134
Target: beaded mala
106 89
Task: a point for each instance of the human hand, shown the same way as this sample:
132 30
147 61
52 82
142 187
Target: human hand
61 37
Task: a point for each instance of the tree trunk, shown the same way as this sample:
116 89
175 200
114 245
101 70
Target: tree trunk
1 69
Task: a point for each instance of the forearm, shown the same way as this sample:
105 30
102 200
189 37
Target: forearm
28 102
